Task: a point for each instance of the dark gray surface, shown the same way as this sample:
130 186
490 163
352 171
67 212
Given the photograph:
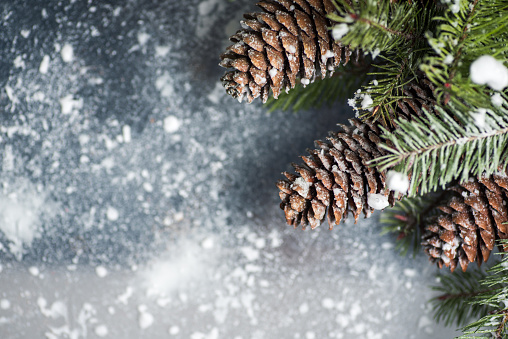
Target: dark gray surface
199 240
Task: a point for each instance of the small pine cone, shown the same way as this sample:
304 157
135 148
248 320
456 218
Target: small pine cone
468 225
289 40
335 179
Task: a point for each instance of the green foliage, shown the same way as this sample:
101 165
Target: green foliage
437 150
381 26
322 91
406 218
465 32
396 32
494 299
457 291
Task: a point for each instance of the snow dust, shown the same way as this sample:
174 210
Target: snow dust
137 199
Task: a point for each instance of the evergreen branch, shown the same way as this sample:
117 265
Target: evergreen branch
406 35
463 34
494 298
457 292
440 149
385 93
381 26
461 40
395 32
322 91
405 219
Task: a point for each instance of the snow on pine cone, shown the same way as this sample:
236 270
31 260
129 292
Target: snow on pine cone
335 179
468 225
289 40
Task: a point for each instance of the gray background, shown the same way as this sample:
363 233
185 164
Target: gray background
194 244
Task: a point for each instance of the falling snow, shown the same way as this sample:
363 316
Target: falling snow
137 199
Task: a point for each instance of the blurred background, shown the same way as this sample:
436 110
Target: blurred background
138 200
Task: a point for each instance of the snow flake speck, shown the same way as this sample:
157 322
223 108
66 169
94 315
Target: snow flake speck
67 53
44 66
101 331
171 124
112 213
101 271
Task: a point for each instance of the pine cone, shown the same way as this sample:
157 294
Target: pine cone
335 179
469 224
289 40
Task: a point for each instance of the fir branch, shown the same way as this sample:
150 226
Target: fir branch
440 149
457 291
386 91
395 32
405 219
494 299
464 33
381 26
323 91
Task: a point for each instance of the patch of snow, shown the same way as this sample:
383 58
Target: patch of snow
486 70
448 59
367 102
303 185
174 330
303 308
397 181
497 99
22 209
18 62
145 319
162 51
101 331
58 308
375 53
68 104
126 133
34 271
479 118
101 271
5 304
409 272
377 201
112 213
67 53
171 124
250 253
208 243
44 66
338 31
143 38
328 303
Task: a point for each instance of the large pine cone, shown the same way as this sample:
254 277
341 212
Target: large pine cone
335 179
289 40
469 224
